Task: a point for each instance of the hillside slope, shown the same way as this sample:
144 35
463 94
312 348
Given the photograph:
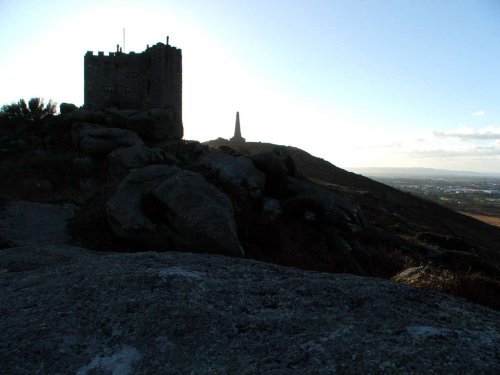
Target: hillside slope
461 254
276 204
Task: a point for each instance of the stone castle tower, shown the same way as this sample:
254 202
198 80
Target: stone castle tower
150 79
237 131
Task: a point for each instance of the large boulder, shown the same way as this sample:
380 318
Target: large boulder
98 141
168 208
72 311
120 161
236 174
67 108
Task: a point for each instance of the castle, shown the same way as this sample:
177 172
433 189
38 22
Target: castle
150 79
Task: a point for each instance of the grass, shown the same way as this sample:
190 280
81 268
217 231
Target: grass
475 287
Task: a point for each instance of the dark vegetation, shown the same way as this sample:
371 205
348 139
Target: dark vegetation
455 254
34 110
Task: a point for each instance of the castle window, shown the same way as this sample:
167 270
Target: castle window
149 62
149 86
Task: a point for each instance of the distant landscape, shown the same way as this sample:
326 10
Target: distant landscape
470 193
419 172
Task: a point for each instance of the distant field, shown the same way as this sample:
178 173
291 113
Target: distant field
492 220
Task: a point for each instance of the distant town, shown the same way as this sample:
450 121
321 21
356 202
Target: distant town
477 196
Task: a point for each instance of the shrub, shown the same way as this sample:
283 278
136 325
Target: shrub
475 287
34 110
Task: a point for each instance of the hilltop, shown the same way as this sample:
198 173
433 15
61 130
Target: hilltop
273 203
96 206
282 204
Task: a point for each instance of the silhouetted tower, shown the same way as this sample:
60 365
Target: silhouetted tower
237 131
150 79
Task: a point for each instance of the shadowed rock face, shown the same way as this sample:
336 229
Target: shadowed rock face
99 141
237 174
72 311
120 161
153 124
170 208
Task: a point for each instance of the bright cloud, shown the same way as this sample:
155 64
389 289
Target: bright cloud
471 134
479 113
476 152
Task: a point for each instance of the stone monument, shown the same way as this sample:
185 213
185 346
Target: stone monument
237 131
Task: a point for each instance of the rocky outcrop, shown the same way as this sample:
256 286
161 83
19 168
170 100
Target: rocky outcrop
29 223
152 125
99 141
67 108
120 161
72 311
167 208
236 174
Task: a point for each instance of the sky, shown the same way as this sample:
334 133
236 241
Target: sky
379 83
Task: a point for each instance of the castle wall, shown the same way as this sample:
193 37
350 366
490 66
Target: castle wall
151 79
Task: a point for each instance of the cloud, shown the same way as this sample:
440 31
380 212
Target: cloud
468 136
479 113
477 152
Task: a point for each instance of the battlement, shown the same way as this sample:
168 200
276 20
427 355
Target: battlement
149 79
119 51
99 54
